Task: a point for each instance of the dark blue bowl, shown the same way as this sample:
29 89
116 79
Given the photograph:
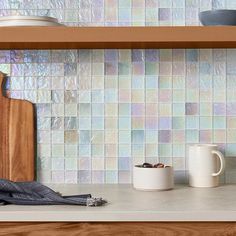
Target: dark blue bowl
218 17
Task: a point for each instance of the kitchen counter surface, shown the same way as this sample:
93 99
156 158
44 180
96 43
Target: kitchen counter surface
126 204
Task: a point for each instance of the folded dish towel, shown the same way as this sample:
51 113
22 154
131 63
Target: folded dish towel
34 193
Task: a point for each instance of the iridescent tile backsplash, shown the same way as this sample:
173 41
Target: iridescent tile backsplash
99 112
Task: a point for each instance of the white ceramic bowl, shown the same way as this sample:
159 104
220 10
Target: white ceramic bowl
153 179
28 21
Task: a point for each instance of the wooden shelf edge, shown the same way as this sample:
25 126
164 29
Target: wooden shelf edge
118 228
117 37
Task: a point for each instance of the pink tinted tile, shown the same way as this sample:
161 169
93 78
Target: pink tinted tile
84 163
219 136
151 3
111 68
165 95
178 54
178 136
151 123
151 109
138 109
165 68
110 3
205 136
138 68
191 109
124 95
231 122
138 123
164 136
98 177
192 82
124 177
178 68
138 3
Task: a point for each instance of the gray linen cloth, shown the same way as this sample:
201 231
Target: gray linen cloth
34 193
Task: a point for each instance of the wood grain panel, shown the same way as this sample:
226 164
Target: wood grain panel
118 37
17 138
115 229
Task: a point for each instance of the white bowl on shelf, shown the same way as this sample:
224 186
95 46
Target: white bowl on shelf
153 179
28 21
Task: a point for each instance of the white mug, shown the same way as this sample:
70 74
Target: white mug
205 165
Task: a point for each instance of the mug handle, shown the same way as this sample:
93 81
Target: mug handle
222 162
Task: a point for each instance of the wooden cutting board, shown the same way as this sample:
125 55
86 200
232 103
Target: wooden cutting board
17 137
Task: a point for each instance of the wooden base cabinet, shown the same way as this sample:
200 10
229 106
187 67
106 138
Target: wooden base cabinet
119 228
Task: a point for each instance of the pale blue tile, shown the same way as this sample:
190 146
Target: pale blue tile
84 150
98 123
124 123
97 96
137 82
231 150
192 136
111 95
84 137
124 163
84 123
205 122
124 137
219 122
178 109
137 136
124 150
151 82
164 150
111 176
192 122
192 55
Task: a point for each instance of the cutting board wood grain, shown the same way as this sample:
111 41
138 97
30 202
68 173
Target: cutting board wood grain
17 138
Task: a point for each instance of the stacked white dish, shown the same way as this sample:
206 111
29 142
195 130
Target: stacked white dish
28 21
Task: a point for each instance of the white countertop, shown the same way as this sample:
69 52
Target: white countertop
126 204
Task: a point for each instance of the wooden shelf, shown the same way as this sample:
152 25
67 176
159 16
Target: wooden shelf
117 37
